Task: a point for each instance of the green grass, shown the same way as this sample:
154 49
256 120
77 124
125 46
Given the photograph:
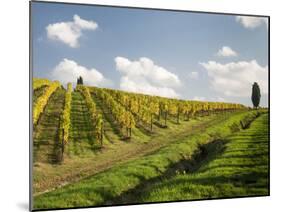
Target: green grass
240 170
82 140
105 187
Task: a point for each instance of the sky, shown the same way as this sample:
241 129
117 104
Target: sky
185 55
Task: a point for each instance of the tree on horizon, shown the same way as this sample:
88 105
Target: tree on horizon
256 95
79 80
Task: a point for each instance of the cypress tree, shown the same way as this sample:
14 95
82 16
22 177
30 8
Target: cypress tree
79 80
256 95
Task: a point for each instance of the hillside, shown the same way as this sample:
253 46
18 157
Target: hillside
108 131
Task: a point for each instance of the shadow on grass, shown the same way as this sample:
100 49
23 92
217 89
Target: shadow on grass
203 155
144 129
254 179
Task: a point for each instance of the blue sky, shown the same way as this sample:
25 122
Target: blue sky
175 54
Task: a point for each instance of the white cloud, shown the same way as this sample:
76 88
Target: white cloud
251 22
193 75
70 32
143 76
226 51
220 99
236 78
199 98
68 71
210 99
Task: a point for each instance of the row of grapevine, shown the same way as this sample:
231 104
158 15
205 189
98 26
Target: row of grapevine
89 101
42 101
99 129
187 109
121 115
146 107
65 119
38 83
96 118
144 111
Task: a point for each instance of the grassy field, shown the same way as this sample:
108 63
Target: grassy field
236 166
119 184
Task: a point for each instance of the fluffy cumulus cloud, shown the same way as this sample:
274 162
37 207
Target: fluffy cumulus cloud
211 99
68 71
226 51
251 22
193 75
220 99
199 98
236 78
143 76
70 32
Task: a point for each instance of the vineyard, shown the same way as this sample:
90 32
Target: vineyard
85 137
